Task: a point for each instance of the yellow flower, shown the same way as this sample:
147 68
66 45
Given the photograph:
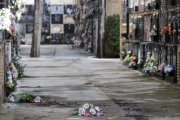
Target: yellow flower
131 58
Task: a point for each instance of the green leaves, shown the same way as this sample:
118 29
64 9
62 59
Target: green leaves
112 34
25 97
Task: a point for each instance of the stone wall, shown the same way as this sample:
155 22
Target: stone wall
112 7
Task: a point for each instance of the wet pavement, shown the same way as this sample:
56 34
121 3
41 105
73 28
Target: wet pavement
69 77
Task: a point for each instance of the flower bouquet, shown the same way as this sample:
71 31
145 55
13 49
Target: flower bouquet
161 67
169 70
127 59
133 62
89 110
5 18
149 68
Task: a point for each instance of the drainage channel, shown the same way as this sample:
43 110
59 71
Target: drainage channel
132 109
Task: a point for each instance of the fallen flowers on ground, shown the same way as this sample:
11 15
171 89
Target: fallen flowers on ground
24 98
89 110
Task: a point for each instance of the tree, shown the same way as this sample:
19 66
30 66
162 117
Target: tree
112 34
35 47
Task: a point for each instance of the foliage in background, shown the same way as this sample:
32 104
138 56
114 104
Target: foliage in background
112 34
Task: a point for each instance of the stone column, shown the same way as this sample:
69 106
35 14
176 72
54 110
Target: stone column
178 63
35 49
1 74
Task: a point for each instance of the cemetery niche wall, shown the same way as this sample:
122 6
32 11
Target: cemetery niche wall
152 39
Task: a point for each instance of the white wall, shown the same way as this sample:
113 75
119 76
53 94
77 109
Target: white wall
57 28
52 2
68 19
28 2
62 2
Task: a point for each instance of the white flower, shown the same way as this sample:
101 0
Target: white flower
91 105
86 106
92 111
81 111
11 98
9 84
168 68
37 99
19 3
5 18
134 26
129 52
18 15
9 75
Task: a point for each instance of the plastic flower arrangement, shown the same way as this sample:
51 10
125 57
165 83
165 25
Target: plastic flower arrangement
5 19
12 29
161 66
10 83
16 3
133 27
123 54
133 62
169 69
89 110
154 30
18 14
11 78
149 68
169 28
128 58
140 62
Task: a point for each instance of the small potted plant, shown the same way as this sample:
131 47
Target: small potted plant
137 31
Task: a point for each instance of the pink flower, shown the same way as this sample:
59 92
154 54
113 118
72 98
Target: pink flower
97 109
100 113
13 27
13 33
88 114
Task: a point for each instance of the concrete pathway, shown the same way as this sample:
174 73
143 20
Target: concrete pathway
70 77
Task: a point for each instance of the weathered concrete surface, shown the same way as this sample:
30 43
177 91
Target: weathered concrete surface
72 77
